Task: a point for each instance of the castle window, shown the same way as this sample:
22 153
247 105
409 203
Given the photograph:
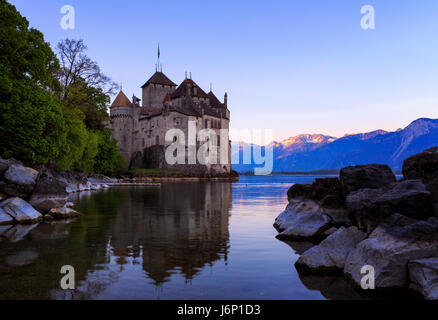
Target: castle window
143 142
206 123
157 140
177 122
153 124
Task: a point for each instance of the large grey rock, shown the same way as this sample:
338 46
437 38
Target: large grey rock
50 192
5 219
340 217
19 181
372 176
389 248
302 220
20 210
423 274
370 206
331 253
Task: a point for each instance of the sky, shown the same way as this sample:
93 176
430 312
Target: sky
293 66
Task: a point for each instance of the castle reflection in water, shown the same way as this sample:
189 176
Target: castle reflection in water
168 228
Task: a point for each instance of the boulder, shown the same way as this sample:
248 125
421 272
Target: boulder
389 248
302 220
333 201
19 181
63 213
318 190
5 219
50 192
424 166
370 206
20 210
432 187
372 176
421 166
423 275
340 217
4 165
323 187
299 190
331 253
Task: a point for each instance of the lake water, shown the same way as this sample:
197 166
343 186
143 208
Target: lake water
183 240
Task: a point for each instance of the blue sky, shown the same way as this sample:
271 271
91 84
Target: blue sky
295 66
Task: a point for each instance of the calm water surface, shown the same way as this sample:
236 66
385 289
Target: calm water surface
183 240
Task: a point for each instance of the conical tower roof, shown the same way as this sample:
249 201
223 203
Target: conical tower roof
121 101
159 78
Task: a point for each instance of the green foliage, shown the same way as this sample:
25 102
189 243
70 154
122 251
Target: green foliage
31 120
32 125
53 112
109 160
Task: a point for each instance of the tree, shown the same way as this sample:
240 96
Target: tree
109 160
32 125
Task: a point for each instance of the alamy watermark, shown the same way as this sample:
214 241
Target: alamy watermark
68 18
68 281
368 21
368 280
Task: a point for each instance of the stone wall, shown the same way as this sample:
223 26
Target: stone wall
153 95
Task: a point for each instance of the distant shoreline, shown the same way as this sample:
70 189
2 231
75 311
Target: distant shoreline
323 172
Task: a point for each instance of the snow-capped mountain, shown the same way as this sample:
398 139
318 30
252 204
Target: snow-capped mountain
315 152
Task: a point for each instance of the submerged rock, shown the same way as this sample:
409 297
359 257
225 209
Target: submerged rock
20 210
372 176
423 275
370 206
331 253
302 220
19 181
390 247
63 213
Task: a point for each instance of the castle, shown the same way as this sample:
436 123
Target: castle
140 130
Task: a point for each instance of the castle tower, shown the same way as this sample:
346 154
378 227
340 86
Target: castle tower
155 90
122 123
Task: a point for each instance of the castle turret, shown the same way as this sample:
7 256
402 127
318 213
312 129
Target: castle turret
122 123
155 90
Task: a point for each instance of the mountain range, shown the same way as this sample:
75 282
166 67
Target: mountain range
308 152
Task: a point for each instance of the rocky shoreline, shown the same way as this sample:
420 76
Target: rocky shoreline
29 196
368 218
